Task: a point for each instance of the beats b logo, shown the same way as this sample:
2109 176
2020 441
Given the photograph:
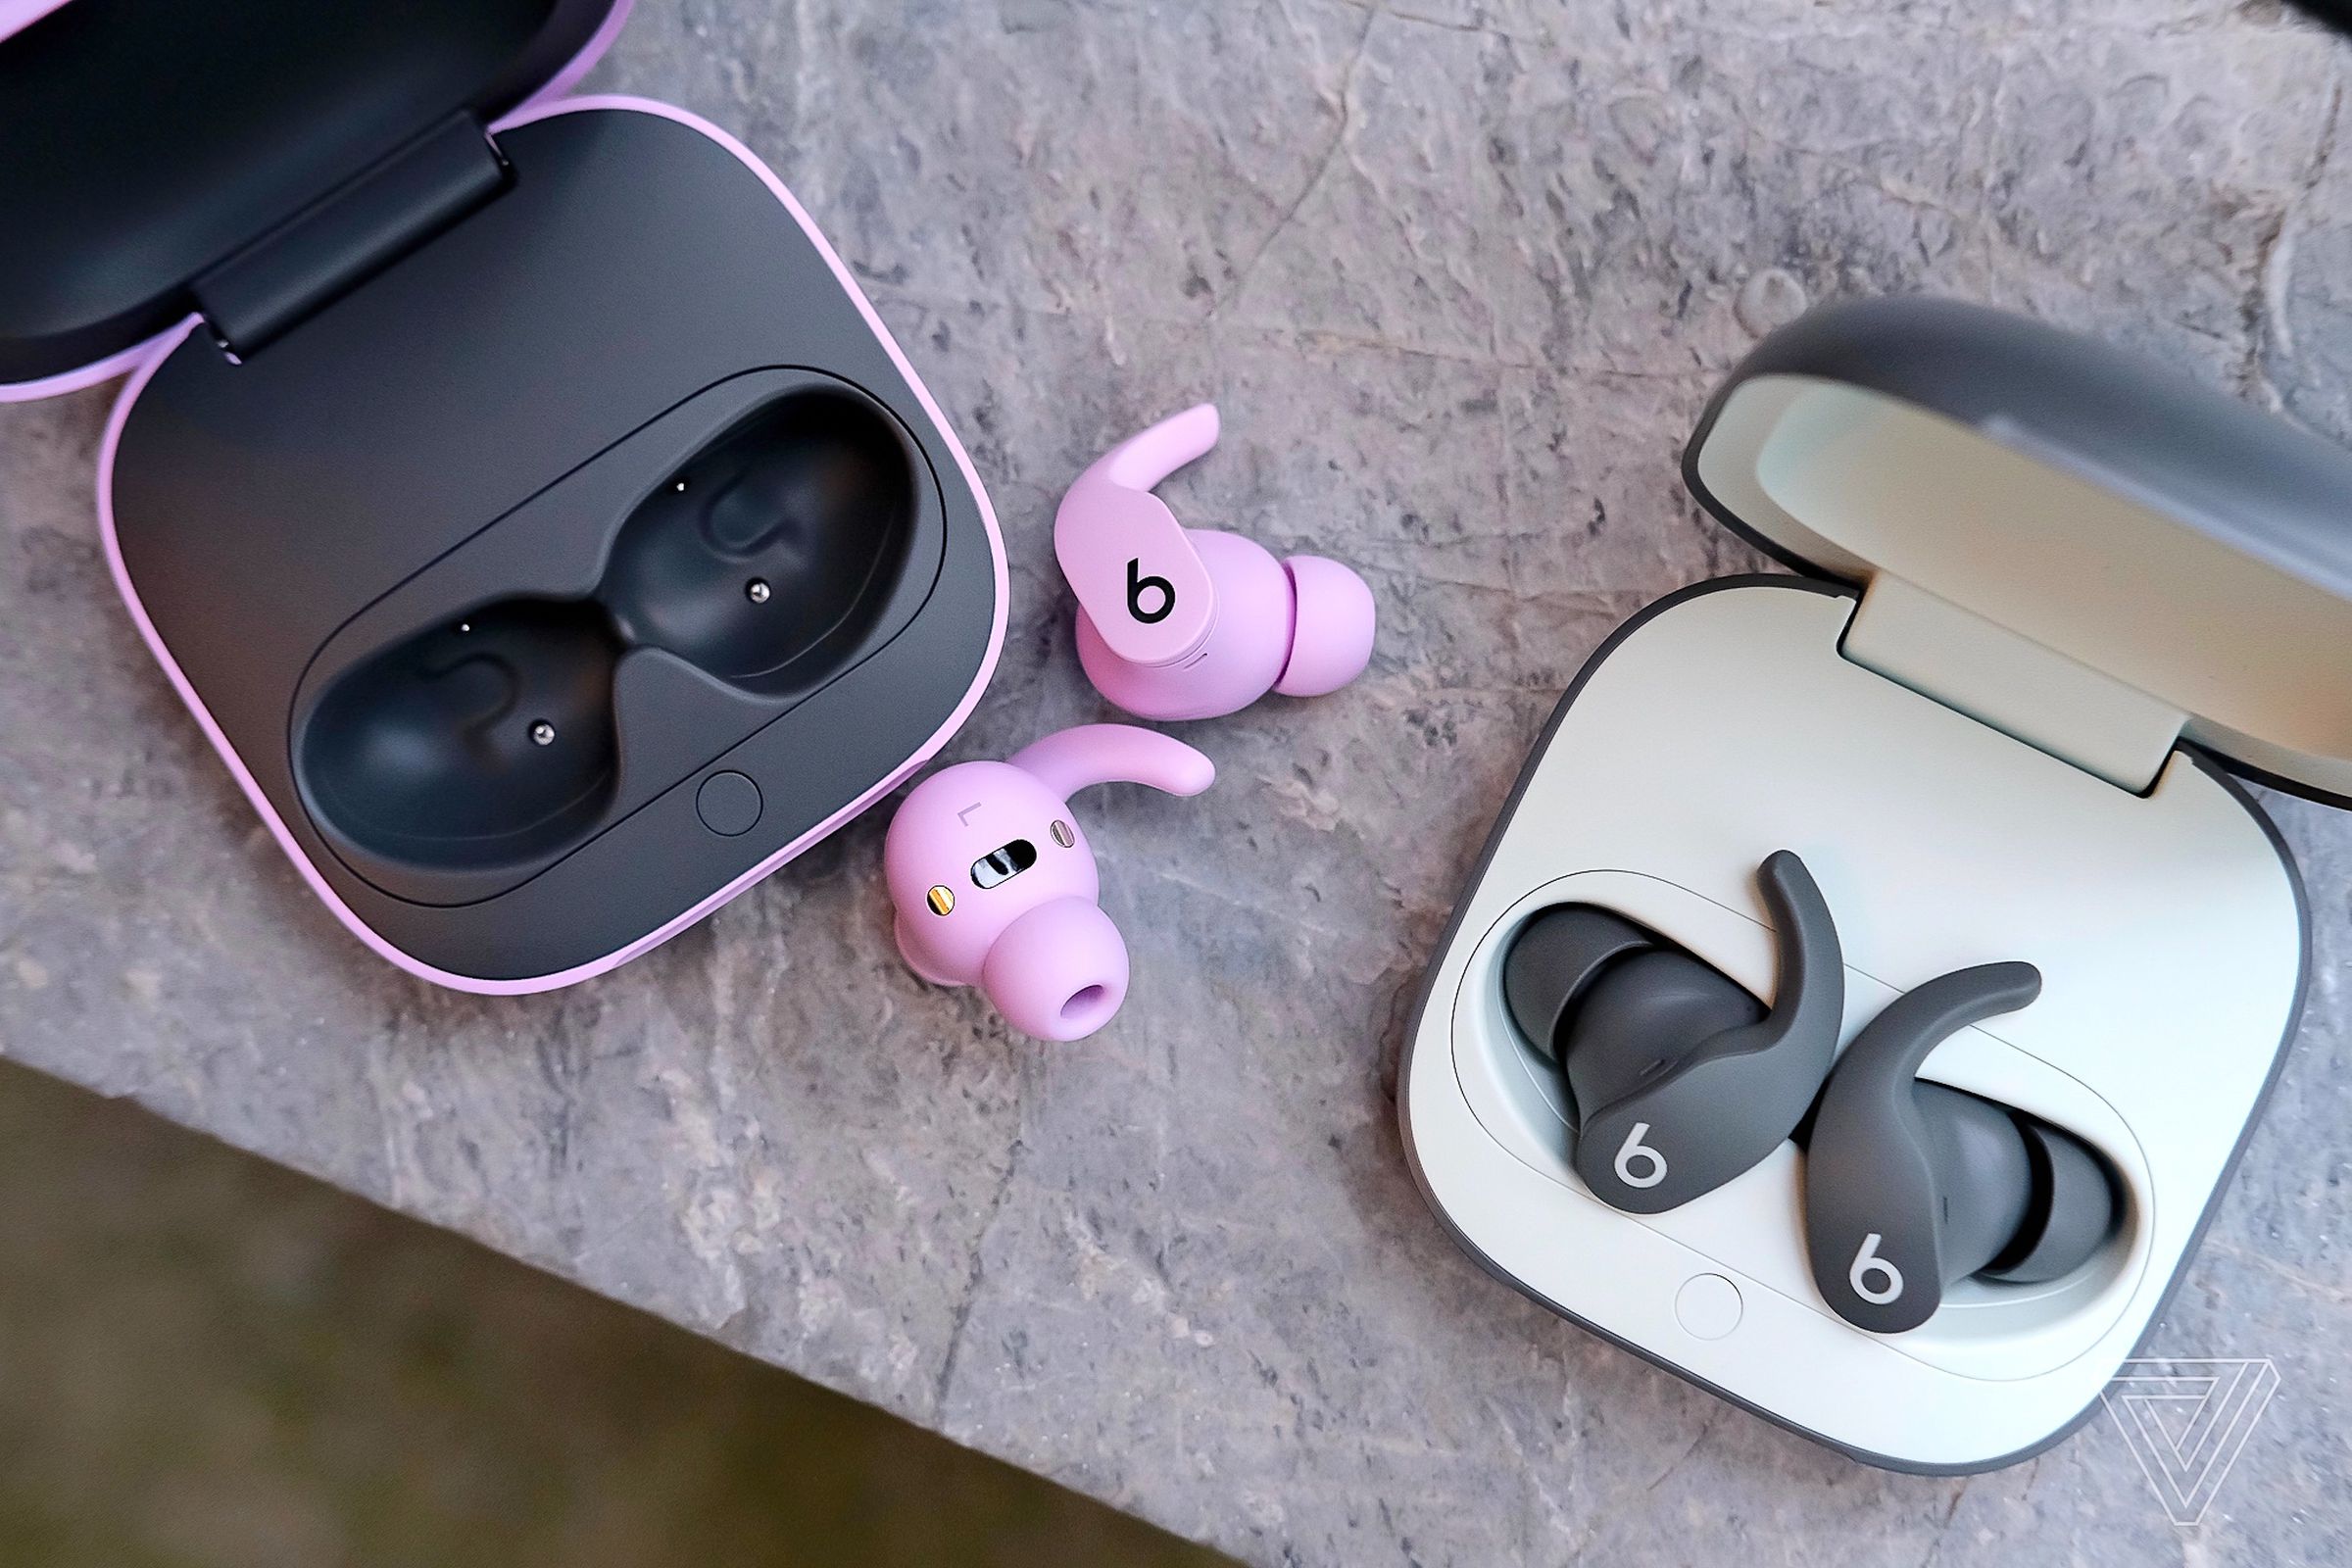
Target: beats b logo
1138 585
1638 1165
1869 1265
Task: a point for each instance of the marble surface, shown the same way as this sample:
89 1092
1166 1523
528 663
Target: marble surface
1461 272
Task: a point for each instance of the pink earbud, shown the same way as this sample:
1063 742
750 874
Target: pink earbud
995 884
1177 622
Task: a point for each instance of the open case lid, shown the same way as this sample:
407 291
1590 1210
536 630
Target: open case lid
149 141
2186 553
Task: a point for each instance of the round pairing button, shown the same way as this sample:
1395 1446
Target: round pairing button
1707 1306
729 803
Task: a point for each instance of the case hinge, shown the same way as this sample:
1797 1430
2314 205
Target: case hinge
2027 691
349 235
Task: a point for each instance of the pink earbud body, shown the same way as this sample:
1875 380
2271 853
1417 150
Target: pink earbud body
1177 622
1263 606
994 883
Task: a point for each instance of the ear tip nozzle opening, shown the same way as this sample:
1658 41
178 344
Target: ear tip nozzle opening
1057 972
1071 1014
1084 1011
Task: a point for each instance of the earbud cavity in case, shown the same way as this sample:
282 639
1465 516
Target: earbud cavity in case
523 497
2003 758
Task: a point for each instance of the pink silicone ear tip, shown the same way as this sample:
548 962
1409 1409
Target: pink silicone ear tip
1333 640
1058 972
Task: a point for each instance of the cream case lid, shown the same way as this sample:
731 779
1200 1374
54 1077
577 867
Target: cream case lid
149 141
2187 547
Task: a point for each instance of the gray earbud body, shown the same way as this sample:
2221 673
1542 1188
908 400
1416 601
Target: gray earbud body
1679 1078
1911 1187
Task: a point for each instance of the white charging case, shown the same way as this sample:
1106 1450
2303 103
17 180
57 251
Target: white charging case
2052 597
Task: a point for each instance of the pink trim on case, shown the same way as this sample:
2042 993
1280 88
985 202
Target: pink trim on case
106 369
562 82
162 347
17 15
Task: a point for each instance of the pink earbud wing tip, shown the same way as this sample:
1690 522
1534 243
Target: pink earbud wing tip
1333 640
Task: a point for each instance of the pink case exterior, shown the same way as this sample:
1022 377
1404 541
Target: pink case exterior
144 363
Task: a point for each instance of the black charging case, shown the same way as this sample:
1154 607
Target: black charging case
518 490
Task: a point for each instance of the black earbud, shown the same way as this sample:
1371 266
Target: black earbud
1911 1187
1679 1078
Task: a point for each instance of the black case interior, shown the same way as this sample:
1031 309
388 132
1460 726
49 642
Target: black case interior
147 140
540 500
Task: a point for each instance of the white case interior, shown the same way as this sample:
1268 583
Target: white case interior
1979 759
2168 929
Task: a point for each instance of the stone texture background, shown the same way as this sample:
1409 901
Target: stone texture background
208 1361
1461 272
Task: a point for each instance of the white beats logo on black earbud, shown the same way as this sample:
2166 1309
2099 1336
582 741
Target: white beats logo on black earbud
1590 987
1909 1186
1868 1262
1653 1163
